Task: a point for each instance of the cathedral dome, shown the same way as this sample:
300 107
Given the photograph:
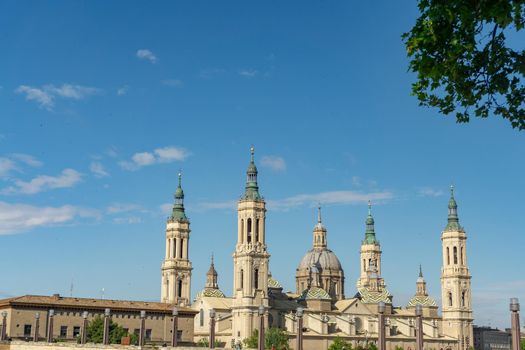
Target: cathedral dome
210 292
323 259
314 293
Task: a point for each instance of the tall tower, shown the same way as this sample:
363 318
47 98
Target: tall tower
370 251
455 280
250 259
176 268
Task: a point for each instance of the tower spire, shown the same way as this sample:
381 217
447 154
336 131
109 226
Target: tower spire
319 213
178 213
252 189
319 232
453 219
420 271
370 234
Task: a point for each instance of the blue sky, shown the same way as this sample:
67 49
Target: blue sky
102 102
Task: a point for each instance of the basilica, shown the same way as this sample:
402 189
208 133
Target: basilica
329 312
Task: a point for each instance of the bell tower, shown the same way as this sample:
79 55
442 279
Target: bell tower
250 259
455 280
176 268
370 251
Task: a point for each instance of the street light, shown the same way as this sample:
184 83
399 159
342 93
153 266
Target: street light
212 329
51 314
419 327
4 326
515 323
381 307
105 338
261 327
174 326
299 339
83 337
37 326
142 326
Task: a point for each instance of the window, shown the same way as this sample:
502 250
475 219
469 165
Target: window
76 331
257 230
27 330
249 230
180 247
148 334
455 255
136 331
448 256
462 257
174 248
463 298
242 278
179 335
201 318
242 230
256 278
364 265
169 248
63 331
449 299
179 289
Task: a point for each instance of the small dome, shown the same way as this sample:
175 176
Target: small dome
210 292
423 300
273 283
315 293
323 259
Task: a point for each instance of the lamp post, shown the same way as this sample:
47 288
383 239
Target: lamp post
261 328
382 337
4 326
37 326
83 337
174 326
515 323
142 326
212 329
50 318
299 340
105 338
419 327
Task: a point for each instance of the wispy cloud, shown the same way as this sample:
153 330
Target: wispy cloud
45 96
429 192
275 163
16 218
166 208
27 159
248 73
332 197
490 301
6 166
159 155
121 91
98 169
117 208
68 178
128 220
176 83
147 55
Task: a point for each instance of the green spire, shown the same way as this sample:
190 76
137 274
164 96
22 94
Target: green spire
420 271
370 234
252 189
453 219
178 213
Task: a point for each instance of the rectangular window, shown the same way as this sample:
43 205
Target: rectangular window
136 331
63 331
76 331
148 334
27 330
179 335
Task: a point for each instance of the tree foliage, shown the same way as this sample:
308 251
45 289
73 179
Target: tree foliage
272 337
464 60
340 344
95 331
523 344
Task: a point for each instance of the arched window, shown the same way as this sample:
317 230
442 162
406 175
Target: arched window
462 256
167 289
169 248
463 298
455 255
256 278
448 256
257 230
242 230
181 247
179 289
364 265
242 278
249 229
449 299
201 317
358 325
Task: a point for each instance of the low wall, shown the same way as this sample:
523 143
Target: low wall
22 345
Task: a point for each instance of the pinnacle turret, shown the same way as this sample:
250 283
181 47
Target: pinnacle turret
370 234
453 219
252 189
178 213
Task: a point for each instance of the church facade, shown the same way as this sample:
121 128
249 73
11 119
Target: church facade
319 289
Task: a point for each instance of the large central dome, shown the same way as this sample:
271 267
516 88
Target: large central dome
323 259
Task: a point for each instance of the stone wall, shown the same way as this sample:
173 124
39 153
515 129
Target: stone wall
21 345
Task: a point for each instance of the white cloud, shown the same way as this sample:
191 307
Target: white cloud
98 169
6 166
429 192
177 83
248 73
22 217
166 208
27 159
159 155
145 54
128 220
68 178
121 91
116 208
275 163
331 197
45 95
